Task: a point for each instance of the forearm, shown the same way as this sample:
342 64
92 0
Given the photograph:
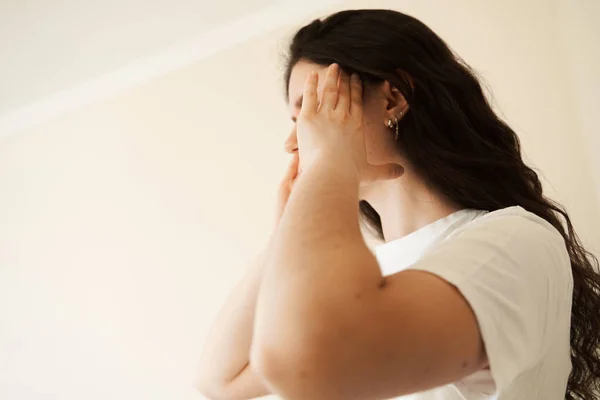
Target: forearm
224 364
318 258
322 215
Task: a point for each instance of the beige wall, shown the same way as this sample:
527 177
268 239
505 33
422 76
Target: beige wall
578 35
123 225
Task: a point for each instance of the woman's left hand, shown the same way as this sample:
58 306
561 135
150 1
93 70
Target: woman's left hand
333 128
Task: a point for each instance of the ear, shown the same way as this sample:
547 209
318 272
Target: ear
396 105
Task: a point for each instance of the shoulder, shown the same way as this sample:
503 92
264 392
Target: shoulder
510 243
514 270
513 220
513 233
510 246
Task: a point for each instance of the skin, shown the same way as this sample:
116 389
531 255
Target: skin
225 371
404 204
325 324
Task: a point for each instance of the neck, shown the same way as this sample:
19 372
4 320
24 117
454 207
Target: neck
405 205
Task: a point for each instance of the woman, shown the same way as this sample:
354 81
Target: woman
482 289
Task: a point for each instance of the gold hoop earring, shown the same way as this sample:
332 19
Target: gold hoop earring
395 124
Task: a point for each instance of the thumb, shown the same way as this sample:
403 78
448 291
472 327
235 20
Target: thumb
382 172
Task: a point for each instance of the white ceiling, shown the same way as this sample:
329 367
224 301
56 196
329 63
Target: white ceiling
60 54
48 46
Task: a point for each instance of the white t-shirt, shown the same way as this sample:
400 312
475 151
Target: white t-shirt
514 270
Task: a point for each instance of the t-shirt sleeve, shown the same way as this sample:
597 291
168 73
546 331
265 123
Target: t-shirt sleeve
514 271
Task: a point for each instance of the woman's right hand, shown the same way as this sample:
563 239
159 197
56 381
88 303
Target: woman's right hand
228 345
286 185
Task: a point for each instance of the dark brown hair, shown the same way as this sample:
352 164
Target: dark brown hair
457 143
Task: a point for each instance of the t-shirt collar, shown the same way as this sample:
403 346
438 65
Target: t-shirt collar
398 254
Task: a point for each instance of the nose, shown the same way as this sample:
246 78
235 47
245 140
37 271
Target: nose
291 143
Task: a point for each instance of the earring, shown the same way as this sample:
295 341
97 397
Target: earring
394 123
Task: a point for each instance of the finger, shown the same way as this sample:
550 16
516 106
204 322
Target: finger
343 101
310 98
330 89
292 169
295 167
356 95
382 172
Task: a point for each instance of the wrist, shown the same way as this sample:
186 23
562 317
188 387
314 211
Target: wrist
338 164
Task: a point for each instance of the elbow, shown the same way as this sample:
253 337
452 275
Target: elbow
278 368
209 390
212 387
265 361
289 371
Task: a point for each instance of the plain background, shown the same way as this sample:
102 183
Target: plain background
125 222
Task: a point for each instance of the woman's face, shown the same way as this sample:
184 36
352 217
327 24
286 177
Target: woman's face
379 105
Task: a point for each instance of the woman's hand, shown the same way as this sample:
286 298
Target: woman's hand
285 187
333 128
